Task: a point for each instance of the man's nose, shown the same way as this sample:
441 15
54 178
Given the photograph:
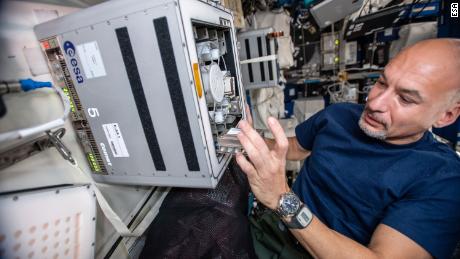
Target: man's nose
378 100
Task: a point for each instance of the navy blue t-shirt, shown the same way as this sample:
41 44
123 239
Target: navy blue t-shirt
353 182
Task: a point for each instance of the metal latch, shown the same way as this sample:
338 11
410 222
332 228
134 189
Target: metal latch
30 148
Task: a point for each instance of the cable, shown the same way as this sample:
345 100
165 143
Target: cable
26 132
335 95
24 85
421 10
408 16
361 9
366 89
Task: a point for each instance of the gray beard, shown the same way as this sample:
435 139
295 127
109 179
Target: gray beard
381 135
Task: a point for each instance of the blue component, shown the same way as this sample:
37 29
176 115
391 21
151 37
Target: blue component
29 84
288 109
307 3
248 98
290 92
312 81
385 36
425 10
376 75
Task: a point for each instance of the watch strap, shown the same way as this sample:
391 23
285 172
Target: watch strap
301 219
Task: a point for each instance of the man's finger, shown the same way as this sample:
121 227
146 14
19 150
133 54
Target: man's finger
255 138
248 114
282 143
246 166
251 150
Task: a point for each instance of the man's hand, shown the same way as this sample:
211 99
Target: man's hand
266 171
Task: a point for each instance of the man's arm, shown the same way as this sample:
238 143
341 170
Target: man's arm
386 242
295 151
266 175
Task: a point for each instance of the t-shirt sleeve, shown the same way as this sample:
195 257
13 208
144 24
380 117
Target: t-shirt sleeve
306 131
430 214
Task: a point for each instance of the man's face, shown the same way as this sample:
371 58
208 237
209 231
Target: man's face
405 101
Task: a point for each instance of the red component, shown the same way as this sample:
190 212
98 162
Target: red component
46 44
275 34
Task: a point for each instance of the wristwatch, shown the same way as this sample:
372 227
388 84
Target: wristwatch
288 204
293 213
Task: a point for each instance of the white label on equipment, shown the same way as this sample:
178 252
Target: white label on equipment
91 60
388 32
115 139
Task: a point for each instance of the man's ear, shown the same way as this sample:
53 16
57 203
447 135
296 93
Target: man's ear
449 116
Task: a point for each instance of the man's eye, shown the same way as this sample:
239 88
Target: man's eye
405 100
380 84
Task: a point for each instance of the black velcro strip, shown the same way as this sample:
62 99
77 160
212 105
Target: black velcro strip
175 91
261 64
248 56
139 97
270 64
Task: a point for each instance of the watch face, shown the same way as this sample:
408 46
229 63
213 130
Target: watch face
289 204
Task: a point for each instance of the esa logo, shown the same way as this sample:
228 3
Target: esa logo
69 50
454 10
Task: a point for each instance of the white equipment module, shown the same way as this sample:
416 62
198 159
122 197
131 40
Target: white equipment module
153 85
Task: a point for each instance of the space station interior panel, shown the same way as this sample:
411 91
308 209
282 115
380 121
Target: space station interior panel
65 229
329 51
154 87
328 12
259 61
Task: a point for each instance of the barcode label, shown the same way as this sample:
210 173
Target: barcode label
116 142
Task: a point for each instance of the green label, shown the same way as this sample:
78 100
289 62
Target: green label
66 91
92 162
